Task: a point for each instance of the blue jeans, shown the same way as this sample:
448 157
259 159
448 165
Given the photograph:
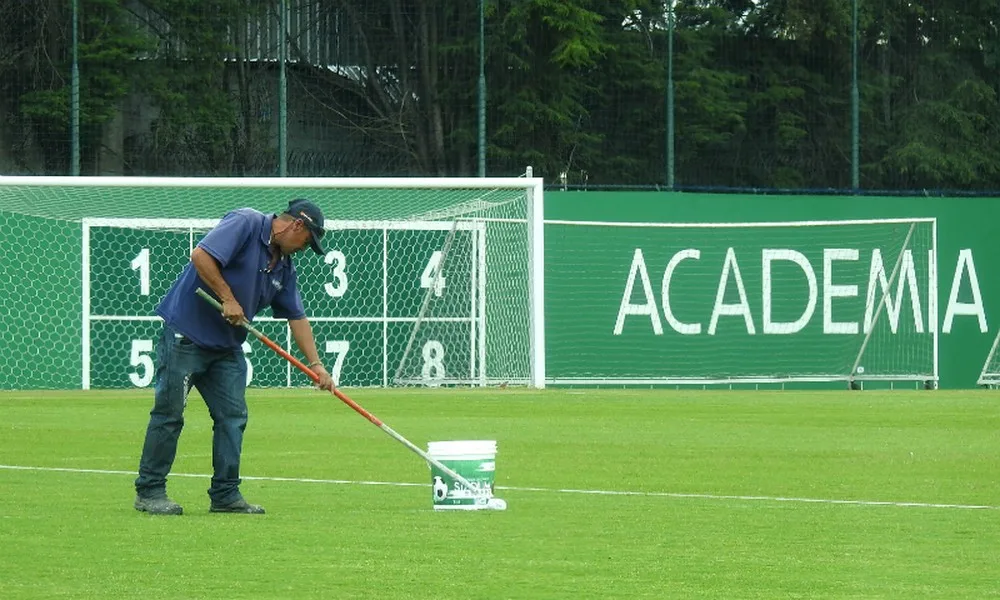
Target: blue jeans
220 377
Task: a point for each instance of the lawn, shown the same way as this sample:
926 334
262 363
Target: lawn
611 494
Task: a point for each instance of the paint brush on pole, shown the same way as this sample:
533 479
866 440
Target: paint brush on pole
494 503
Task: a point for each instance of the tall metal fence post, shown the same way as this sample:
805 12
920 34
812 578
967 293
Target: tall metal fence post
282 91
74 96
855 103
670 97
482 89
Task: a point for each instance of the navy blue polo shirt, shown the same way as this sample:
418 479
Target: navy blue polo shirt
240 243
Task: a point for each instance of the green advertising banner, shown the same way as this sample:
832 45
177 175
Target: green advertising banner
646 287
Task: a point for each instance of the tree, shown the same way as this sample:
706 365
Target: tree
932 109
201 85
576 89
543 56
38 74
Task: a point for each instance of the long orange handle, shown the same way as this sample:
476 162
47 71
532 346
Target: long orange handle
346 400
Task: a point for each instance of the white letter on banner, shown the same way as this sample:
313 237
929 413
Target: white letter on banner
770 255
649 308
907 274
965 263
831 291
742 308
668 313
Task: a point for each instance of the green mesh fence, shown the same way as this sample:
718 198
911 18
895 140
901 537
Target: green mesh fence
772 94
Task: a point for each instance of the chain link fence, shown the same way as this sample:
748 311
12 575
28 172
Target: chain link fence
821 96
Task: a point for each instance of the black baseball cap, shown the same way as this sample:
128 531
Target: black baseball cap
312 216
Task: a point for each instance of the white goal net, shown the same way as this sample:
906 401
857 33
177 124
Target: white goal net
424 282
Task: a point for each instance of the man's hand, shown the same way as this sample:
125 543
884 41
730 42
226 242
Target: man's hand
233 312
325 380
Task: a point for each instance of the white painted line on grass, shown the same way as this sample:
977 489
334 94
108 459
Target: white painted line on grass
245 477
756 498
549 490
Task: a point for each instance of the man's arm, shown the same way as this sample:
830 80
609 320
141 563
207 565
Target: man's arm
302 332
208 270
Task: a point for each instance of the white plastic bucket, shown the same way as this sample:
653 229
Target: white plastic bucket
475 460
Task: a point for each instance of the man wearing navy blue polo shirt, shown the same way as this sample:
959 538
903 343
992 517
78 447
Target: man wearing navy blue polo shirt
246 262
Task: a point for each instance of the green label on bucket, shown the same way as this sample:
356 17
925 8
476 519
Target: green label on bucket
448 493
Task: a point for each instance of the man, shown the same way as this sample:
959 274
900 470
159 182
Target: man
246 262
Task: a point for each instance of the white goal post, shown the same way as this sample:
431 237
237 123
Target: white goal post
989 376
426 281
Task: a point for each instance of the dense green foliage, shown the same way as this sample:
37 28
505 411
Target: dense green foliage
576 89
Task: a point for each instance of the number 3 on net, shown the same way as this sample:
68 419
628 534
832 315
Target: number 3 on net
338 287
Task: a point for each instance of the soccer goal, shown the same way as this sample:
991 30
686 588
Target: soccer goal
990 374
717 303
424 282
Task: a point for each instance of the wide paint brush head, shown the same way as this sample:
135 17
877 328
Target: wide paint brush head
496 504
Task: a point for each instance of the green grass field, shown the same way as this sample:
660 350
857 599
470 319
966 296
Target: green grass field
611 493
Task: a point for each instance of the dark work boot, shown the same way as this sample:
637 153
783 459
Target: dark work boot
237 506
158 506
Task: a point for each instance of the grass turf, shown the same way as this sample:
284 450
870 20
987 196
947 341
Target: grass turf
689 494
